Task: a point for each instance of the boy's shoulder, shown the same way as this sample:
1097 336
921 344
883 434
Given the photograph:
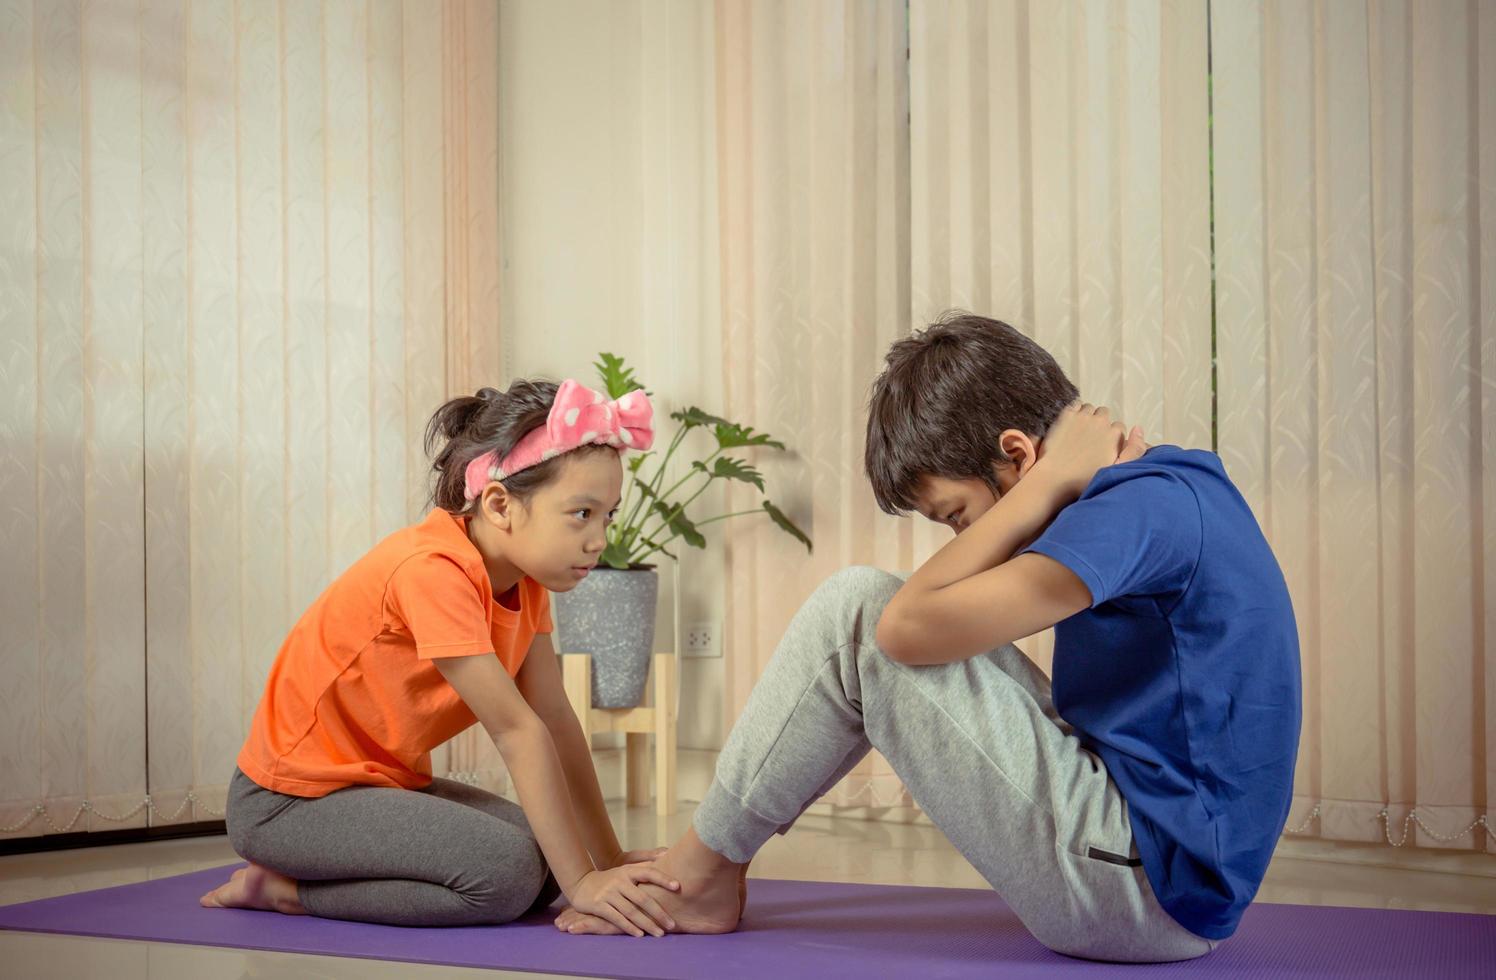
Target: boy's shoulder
1162 470
1135 531
1174 459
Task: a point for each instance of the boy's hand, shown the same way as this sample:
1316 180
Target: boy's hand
1083 441
1135 447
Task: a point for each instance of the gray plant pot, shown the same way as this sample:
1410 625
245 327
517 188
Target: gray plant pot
611 615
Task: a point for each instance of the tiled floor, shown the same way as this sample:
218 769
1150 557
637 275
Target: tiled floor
821 847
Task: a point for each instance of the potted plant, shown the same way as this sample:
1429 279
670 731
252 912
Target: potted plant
611 613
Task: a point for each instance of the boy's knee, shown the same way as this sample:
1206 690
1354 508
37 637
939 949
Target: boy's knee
849 603
862 584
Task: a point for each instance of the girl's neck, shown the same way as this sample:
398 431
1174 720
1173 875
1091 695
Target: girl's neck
503 574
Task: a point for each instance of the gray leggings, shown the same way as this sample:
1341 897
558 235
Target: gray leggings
448 855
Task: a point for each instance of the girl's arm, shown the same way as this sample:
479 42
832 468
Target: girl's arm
530 754
539 682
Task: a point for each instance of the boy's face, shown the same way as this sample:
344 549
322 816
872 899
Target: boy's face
958 503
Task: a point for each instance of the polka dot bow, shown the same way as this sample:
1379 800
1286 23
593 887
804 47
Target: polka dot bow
578 417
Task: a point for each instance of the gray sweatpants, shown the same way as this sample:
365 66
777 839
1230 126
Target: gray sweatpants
448 855
982 751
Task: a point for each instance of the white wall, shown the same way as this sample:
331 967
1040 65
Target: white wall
608 234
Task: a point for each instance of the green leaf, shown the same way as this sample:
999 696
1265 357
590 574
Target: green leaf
730 435
624 534
693 416
637 460
680 524
617 379
787 525
733 469
615 555
651 542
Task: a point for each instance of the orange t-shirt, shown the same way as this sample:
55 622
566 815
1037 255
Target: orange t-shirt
353 697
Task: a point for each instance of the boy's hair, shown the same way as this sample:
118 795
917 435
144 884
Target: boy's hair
490 421
945 396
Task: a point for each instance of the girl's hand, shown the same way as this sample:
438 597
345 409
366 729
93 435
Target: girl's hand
1083 441
614 896
635 857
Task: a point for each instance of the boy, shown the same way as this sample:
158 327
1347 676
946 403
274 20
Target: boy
1130 813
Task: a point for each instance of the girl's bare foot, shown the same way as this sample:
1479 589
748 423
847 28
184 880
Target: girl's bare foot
255 887
710 899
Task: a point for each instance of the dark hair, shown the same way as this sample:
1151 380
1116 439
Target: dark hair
946 395
490 421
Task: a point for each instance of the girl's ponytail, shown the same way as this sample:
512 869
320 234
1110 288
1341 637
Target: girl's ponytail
489 421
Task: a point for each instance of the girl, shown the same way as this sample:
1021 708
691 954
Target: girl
442 624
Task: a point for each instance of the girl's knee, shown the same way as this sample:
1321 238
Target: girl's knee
511 884
238 828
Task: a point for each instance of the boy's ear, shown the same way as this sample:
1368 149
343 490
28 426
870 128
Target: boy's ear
1021 448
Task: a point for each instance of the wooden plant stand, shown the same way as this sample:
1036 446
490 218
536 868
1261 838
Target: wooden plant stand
638 723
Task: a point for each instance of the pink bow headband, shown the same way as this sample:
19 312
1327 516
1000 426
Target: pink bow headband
578 417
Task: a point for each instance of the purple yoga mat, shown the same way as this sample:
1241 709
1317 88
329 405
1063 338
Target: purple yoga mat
792 929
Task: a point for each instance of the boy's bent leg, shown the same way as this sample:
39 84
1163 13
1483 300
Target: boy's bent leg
801 730
977 747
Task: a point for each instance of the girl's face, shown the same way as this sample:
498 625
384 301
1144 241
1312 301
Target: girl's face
557 536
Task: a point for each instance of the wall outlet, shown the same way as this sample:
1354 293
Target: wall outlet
700 640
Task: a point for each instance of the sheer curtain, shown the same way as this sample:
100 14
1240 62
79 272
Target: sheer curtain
1356 248
1060 182
813 167
245 249
1055 176
1261 228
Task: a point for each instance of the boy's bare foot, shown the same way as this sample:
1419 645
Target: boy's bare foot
710 901
581 924
255 887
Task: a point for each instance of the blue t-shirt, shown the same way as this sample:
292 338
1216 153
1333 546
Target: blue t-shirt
1183 675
